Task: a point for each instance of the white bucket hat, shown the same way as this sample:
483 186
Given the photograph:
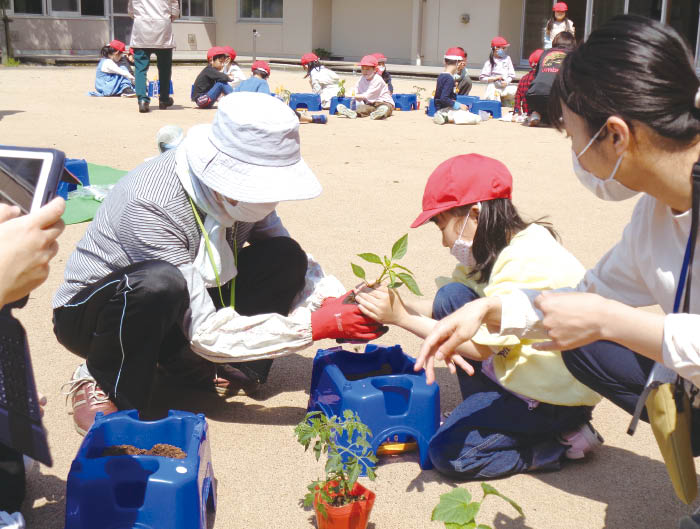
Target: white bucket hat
251 151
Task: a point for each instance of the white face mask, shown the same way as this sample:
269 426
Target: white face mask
608 189
462 250
247 212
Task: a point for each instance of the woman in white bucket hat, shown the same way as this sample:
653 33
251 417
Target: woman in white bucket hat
163 271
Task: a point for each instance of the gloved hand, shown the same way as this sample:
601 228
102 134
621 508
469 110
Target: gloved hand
338 320
338 300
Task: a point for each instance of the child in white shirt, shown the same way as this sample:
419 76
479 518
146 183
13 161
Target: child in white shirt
557 23
232 69
498 72
111 79
323 81
372 92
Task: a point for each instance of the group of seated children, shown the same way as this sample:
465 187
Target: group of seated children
114 76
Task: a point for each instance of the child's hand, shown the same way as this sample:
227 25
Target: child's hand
383 305
463 107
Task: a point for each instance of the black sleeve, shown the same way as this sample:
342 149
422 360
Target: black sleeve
206 80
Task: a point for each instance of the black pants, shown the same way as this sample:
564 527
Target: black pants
11 479
619 375
128 322
539 104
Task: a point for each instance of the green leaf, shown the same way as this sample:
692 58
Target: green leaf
370 257
455 507
353 474
358 271
410 283
400 247
386 261
482 526
397 265
392 278
488 489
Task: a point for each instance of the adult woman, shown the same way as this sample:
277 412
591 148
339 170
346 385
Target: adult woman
630 101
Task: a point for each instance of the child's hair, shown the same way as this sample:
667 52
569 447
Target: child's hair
498 222
550 24
218 56
107 50
636 68
451 62
311 66
493 63
564 41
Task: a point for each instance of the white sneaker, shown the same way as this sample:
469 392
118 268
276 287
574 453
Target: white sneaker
11 521
440 118
380 113
581 441
345 111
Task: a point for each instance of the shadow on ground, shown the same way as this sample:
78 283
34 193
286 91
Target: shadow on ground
4 113
52 490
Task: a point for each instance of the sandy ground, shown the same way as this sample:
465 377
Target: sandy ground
373 175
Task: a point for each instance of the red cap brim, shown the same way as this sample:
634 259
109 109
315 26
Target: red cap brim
428 214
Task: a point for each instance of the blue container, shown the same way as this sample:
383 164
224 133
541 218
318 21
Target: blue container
382 388
405 101
492 107
335 101
79 169
430 111
312 102
467 100
144 492
154 88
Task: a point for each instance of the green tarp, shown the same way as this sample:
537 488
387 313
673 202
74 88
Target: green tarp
83 209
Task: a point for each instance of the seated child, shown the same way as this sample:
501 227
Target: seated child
258 82
381 60
447 109
212 83
523 411
232 69
127 60
372 93
111 79
323 81
521 109
462 80
498 72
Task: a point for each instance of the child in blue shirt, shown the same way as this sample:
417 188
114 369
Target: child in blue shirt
447 109
257 83
111 79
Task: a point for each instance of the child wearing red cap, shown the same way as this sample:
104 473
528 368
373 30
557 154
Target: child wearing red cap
522 410
521 109
381 68
372 93
557 23
110 78
323 80
212 82
498 72
231 68
258 82
447 109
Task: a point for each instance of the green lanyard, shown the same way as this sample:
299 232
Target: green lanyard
207 243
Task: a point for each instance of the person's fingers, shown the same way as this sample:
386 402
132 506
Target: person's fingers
430 371
49 214
462 362
547 346
452 368
8 212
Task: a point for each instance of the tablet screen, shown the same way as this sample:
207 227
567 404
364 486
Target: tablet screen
22 174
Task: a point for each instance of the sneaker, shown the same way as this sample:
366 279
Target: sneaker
345 111
581 441
534 120
380 113
128 92
691 521
87 398
440 118
11 521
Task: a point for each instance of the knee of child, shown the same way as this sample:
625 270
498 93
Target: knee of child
451 297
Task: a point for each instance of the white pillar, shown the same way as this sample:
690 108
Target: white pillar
417 31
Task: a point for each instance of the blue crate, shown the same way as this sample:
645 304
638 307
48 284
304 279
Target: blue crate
492 107
382 388
144 492
430 111
335 101
312 102
154 88
405 101
467 100
79 169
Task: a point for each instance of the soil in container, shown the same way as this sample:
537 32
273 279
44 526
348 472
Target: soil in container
160 449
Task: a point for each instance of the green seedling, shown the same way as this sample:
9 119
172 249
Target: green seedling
341 88
457 510
419 92
398 275
321 433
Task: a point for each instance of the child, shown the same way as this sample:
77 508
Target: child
447 109
211 82
232 69
381 60
372 93
127 60
111 79
521 109
522 410
498 72
462 80
323 81
258 82
557 23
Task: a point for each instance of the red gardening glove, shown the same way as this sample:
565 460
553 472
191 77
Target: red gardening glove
336 301
338 320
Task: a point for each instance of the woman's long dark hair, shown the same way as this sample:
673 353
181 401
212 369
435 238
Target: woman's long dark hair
632 67
493 63
552 20
499 222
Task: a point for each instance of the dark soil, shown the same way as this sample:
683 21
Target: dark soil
340 501
162 450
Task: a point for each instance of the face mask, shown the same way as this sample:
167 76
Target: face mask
247 212
608 189
462 250
382 68
501 54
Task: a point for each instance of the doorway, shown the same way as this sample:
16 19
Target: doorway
536 15
121 21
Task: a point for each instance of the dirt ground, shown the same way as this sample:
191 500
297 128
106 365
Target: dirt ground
373 174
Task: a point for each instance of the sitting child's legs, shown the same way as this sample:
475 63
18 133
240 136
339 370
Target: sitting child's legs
364 109
382 111
451 297
208 99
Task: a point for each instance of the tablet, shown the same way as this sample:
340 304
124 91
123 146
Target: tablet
29 176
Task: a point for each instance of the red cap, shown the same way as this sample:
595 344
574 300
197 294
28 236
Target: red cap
131 50
461 180
216 50
455 54
560 6
308 57
369 60
261 65
535 57
118 45
230 52
499 42
380 57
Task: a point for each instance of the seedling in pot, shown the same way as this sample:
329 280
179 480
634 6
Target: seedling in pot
457 510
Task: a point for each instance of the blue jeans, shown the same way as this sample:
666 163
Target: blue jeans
213 94
493 433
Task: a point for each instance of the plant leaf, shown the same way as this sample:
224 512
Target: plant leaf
410 283
470 525
454 507
488 489
392 278
482 526
358 271
400 247
386 261
397 265
370 257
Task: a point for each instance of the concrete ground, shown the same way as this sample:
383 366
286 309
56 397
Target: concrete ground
373 175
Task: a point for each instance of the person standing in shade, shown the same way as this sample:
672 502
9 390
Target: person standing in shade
153 33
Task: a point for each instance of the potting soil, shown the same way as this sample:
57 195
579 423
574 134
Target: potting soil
160 449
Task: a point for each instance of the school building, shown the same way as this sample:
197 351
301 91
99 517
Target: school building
406 31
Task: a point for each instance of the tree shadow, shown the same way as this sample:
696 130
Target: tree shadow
501 521
429 476
4 113
50 488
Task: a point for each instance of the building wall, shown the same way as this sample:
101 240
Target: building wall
367 26
322 17
511 24
51 35
194 35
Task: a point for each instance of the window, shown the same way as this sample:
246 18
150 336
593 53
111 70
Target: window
197 8
29 7
65 5
92 8
260 9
